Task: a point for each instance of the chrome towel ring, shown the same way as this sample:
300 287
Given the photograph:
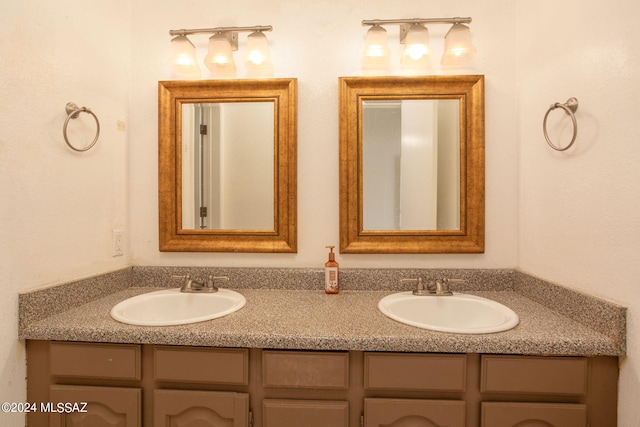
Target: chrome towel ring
73 111
570 108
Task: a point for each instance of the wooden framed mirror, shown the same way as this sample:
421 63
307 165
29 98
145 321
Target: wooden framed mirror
412 164
227 173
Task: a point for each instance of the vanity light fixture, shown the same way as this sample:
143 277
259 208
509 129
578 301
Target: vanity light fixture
376 51
258 57
458 49
183 58
219 59
416 54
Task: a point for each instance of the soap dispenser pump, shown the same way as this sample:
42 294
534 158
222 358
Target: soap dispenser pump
331 284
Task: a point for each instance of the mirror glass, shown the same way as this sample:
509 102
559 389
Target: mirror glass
412 164
227 165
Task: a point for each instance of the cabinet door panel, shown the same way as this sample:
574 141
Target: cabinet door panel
508 414
183 408
543 375
307 413
92 360
197 365
413 413
400 371
305 369
106 406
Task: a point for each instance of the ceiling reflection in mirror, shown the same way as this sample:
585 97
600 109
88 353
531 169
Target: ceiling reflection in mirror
411 164
228 166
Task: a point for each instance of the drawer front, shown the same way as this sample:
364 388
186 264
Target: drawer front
401 371
508 414
201 365
90 360
414 412
548 375
307 413
302 369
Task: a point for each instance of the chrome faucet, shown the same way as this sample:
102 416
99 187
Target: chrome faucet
439 287
199 285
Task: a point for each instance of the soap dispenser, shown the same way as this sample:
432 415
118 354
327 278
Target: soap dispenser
331 284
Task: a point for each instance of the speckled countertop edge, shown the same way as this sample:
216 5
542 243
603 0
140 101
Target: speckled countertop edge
309 319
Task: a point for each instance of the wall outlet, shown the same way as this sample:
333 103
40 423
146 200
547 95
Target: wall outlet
117 240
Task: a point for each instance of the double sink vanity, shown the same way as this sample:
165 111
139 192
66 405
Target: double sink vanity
395 348
290 354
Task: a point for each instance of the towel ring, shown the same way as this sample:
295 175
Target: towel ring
569 107
73 111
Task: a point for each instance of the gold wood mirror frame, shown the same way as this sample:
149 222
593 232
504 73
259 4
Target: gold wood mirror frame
173 236
469 236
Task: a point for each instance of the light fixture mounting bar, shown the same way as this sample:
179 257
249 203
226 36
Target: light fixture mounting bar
417 21
185 32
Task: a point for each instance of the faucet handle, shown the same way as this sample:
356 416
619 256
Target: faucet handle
442 286
211 282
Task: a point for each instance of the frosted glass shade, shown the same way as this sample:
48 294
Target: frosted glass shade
376 51
458 48
417 51
182 59
258 57
219 59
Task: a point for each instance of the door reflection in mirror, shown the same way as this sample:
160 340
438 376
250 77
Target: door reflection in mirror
228 166
411 164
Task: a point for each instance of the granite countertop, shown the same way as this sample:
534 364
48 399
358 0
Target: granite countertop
312 320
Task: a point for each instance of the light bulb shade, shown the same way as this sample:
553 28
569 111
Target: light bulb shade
219 59
376 50
458 48
258 58
417 52
182 59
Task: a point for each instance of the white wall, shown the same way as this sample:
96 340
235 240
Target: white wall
579 210
58 207
318 41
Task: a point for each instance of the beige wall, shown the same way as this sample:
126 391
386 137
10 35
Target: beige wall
579 210
317 42
58 207
567 217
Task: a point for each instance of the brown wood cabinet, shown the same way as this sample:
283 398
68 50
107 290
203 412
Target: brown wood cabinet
157 385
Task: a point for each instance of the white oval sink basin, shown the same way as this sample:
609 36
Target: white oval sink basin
457 313
172 307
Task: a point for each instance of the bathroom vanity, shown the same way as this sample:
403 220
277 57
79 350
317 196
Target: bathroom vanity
301 357
239 387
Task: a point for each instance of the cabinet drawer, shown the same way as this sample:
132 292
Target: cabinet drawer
508 414
307 413
549 375
401 371
305 369
202 365
391 412
89 360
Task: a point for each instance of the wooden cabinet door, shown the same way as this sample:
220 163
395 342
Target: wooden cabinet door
508 414
105 406
185 408
413 413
